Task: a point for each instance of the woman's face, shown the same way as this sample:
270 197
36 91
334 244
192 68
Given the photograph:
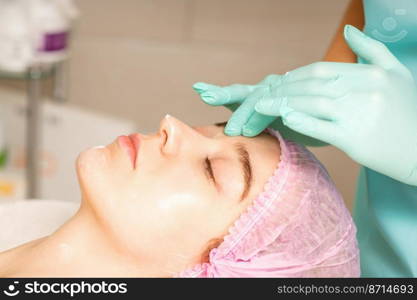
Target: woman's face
184 186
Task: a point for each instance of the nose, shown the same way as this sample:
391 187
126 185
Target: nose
176 136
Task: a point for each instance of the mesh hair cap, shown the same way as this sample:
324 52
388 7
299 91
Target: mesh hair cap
298 226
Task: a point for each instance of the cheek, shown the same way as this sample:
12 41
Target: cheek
181 200
184 215
173 201
162 213
190 212
177 201
171 188
175 210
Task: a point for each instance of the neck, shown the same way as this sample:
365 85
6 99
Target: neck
79 248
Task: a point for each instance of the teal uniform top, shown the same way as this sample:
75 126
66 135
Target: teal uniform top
385 209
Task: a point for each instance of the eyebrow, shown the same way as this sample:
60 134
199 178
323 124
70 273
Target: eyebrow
245 162
244 159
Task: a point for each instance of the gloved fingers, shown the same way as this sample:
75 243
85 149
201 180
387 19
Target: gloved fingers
371 50
217 95
256 124
270 106
232 106
324 70
331 88
316 106
322 130
243 113
201 87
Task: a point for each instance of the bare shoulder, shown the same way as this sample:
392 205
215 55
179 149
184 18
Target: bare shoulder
11 259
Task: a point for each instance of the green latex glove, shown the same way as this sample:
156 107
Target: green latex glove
368 110
241 99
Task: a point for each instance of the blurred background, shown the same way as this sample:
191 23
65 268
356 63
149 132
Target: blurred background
132 61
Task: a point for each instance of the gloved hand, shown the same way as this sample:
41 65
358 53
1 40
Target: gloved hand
241 99
367 110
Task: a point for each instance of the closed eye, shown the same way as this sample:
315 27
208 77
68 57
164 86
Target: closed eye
209 169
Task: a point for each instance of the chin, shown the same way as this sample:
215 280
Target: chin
91 165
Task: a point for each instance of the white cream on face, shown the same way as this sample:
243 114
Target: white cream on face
175 200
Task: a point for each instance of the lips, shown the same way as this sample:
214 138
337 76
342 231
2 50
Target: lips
131 145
